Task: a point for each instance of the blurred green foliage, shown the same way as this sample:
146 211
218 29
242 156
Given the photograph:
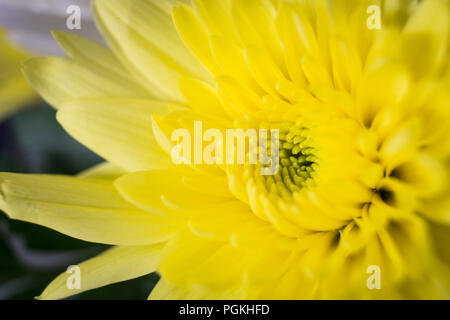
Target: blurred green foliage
32 141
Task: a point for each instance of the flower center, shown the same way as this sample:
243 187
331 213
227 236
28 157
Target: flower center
298 160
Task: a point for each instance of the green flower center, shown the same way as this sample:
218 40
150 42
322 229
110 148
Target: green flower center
298 161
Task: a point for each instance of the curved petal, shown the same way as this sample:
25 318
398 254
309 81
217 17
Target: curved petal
426 36
120 130
86 209
98 57
165 290
114 265
173 190
59 80
105 170
142 34
14 90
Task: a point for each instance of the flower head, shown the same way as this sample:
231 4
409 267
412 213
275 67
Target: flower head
364 162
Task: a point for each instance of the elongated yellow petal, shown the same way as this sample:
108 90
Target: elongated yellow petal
164 290
120 130
114 265
231 59
96 56
293 47
103 170
426 37
14 94
14 90
255 23
440 235
217 18
194 35
144 36
168 190
59 80
436 208
202 259
237 99
86 209
263 69
202 98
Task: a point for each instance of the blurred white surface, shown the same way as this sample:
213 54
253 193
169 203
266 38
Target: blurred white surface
29 23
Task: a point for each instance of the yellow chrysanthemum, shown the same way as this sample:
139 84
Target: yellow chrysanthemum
363 117
14 90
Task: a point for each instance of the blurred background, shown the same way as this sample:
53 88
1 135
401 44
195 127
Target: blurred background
31 141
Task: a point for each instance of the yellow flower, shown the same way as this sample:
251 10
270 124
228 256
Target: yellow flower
363 117
14 90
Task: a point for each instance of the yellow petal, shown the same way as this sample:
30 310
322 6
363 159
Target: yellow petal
424 174
14 90
440 236
237 99
217 18
255 23
114 265
165 290
294 49
105 170
120 130
315 73
86 209
400 145
347 65
393 81
266 73
14 94
231 59
426 36
142 34
97 57
437 208
59 80
194 35
166 191
202 98
213 263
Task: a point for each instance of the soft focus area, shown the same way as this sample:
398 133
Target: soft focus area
32 141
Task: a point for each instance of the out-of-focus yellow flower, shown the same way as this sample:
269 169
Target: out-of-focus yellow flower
14 90
364 165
